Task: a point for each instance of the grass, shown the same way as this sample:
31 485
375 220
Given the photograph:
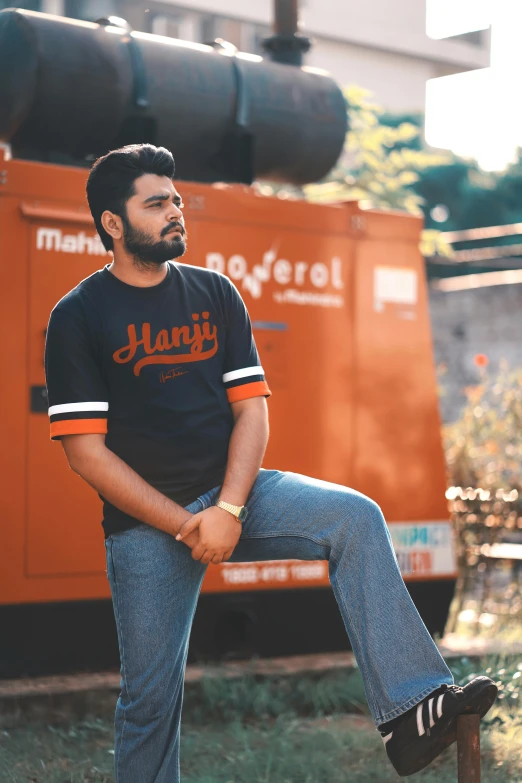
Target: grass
292 730
263 698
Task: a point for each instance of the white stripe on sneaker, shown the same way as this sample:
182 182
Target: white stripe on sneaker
387 738
430 708
439 705
420 724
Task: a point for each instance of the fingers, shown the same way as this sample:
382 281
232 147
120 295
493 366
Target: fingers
203 555
222 558
198 551
188 527
207 556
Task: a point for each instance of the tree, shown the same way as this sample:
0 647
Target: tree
385 165
381 160
483 448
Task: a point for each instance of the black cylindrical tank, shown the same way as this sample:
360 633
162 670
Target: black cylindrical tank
79 89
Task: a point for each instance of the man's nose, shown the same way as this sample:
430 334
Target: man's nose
175 213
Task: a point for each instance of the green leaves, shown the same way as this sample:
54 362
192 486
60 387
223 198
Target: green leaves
379 163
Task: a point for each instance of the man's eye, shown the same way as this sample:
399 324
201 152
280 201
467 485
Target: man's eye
180 205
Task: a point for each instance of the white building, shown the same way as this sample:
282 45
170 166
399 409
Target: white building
378 44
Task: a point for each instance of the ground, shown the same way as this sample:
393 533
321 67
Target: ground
291 730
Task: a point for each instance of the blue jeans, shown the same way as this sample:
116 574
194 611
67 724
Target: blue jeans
155 585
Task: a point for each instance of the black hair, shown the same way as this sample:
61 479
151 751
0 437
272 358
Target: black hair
111 180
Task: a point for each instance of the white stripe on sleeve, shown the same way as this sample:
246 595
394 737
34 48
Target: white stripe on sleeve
439 705
244 373
75 407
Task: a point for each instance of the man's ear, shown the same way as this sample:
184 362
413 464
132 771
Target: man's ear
112 224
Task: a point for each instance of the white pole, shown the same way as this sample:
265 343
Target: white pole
56 7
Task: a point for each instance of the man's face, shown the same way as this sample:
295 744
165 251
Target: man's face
153 228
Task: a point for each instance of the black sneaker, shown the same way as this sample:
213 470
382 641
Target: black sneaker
427 729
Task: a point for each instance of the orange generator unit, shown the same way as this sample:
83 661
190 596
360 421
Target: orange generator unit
337 296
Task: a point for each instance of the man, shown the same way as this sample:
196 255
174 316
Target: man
158 396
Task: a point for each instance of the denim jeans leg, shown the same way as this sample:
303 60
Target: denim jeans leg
155 585
293 516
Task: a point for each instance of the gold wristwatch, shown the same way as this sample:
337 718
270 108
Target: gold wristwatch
239 512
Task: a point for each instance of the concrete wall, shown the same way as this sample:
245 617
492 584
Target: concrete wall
397 81
466 323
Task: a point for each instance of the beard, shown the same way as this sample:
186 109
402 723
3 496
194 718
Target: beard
148 253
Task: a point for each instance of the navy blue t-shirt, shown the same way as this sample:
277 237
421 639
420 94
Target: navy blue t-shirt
156 370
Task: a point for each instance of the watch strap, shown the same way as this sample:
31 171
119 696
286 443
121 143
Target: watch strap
236 511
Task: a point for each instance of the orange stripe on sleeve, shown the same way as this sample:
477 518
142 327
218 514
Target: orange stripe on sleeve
247 390
78 427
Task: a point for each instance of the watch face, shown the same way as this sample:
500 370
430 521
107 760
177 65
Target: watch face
242 514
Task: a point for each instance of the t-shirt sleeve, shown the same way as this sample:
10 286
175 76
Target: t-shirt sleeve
243 375
77 394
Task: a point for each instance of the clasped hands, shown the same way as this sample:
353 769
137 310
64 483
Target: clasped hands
211 534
